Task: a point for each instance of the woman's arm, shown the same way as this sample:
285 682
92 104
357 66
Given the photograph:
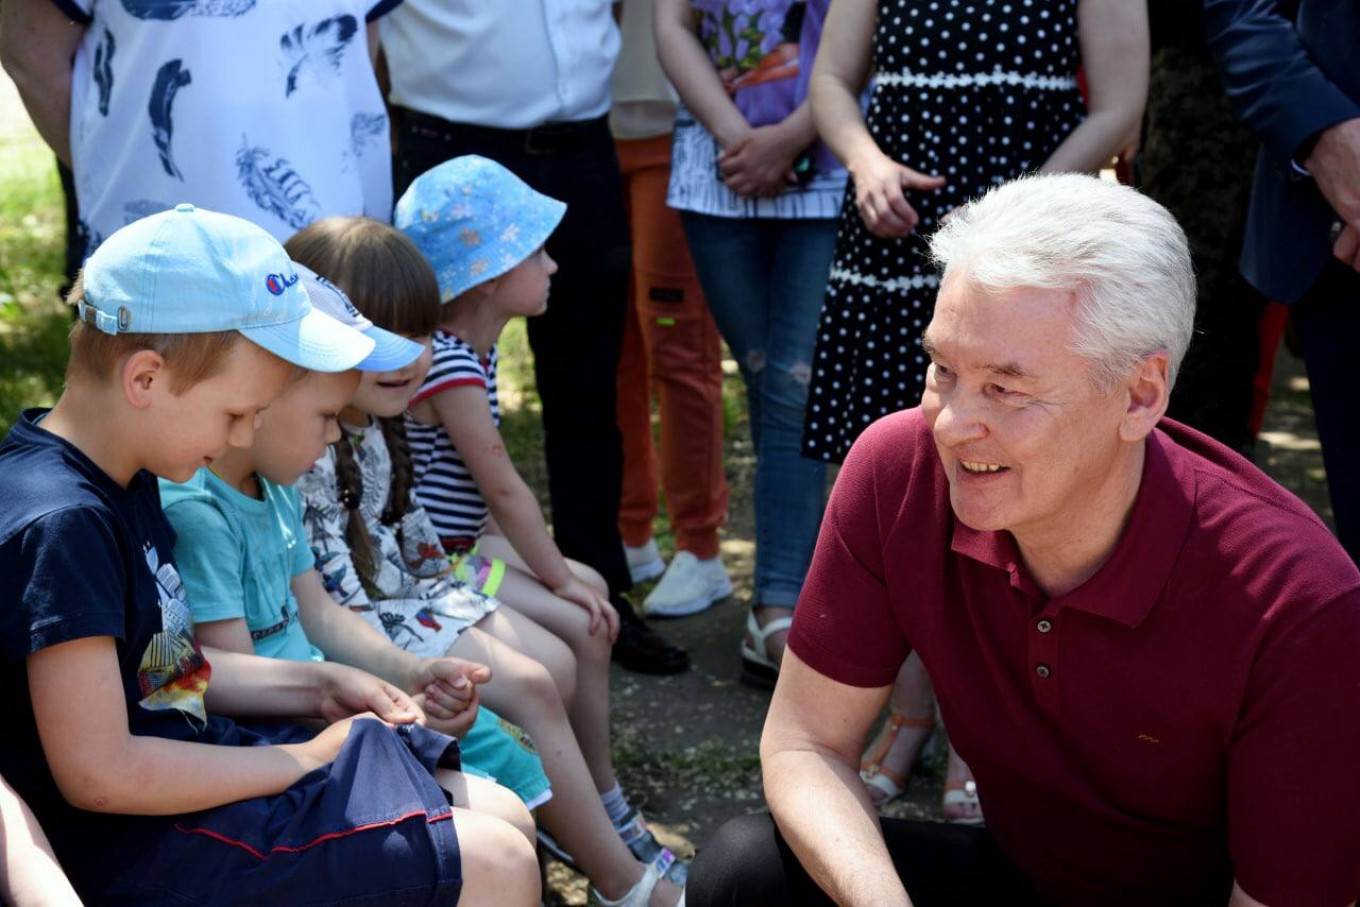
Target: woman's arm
1115 54
844 61
29 873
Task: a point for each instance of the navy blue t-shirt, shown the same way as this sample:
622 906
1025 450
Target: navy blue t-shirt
81 556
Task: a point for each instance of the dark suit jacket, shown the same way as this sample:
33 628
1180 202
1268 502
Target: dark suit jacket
1289 76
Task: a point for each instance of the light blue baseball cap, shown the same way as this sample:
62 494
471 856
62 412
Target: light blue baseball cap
187 271
474 220
390 351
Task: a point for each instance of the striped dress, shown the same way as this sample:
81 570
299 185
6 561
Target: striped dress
444 487
978 91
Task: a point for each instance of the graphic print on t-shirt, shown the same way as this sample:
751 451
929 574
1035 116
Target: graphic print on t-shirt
753 45
170 78
173 9
273 184
173 673
316 51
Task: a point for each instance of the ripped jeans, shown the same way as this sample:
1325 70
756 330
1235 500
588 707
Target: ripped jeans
765 280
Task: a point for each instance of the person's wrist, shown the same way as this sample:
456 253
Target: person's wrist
862 161
1319 147
328 680
794 135
730 133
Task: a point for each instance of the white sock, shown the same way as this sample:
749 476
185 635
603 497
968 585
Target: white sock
615 804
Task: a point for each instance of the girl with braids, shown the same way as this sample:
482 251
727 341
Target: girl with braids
376 548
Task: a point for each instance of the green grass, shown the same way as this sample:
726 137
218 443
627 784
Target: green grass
33 322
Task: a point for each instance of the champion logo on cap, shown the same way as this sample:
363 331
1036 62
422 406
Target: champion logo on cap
277 283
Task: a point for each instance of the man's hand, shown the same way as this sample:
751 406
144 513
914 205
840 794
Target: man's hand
446 688
759 164
883 206
1335 165
348 691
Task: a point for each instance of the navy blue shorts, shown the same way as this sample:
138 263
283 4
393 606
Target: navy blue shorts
373 827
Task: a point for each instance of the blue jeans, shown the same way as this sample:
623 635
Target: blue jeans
765 280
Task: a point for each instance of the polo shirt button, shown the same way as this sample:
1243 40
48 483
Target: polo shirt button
1043 670
1044 626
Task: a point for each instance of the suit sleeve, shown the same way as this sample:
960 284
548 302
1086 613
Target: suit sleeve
1275 85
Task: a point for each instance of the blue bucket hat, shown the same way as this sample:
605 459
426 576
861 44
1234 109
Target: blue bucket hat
189 271
474 220
390 351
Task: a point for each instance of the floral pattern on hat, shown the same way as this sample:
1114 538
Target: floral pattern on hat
474 220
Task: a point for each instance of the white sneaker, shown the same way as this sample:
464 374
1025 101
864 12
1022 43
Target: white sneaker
689 586
644 562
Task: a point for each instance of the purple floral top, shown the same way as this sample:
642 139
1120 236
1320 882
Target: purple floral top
763 51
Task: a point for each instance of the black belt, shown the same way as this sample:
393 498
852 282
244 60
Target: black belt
550 138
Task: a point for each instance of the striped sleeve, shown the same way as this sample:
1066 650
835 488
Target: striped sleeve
454 364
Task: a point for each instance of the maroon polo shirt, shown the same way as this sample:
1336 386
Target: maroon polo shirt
1189 714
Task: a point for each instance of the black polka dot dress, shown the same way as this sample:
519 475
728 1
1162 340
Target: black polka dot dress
979 91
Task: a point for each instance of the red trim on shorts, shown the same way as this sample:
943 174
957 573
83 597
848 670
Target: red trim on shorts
426 392
217 836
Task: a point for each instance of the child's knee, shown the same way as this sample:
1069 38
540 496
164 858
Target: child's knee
499 863
560 664
533 681
491 799
589 576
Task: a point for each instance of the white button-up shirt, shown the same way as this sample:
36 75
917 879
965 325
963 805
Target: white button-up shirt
510 64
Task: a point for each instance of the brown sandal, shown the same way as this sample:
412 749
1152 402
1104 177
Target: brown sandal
871 771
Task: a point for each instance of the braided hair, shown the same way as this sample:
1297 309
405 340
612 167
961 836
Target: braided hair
392 284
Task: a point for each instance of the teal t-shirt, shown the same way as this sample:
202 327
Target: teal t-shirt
238 555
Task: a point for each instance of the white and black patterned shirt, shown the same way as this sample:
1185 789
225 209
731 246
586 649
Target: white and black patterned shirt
268 111
444 487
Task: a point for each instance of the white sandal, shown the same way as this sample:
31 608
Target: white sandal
641 894
757 667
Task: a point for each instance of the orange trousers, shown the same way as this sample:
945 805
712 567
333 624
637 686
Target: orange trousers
670 346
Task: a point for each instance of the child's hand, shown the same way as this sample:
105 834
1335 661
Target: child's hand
601 611
456 724
348 691
325 746
444 687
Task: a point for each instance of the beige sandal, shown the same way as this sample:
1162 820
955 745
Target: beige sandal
962 793
871 771
758 669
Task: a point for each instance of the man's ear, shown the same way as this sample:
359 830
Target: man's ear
143 373
1148 392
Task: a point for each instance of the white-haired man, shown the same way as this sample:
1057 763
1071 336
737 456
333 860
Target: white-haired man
1145 649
